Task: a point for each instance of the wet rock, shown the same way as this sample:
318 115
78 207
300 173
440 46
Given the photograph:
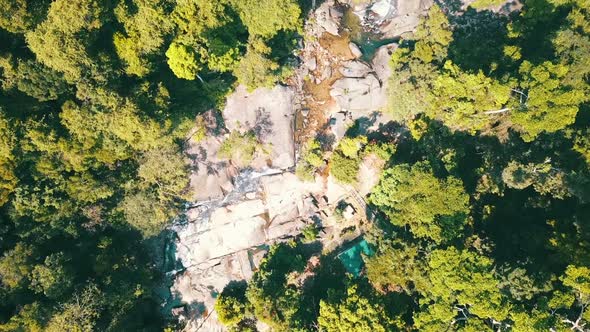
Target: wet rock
355 50
357 6
179 312
354 68
383 8
400 25
336 14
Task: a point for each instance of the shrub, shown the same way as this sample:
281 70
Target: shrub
310 233
240 148
231 304
350 147
344 169
384 151
311 159
182 61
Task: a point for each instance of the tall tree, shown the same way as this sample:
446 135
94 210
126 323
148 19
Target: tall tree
8 179
146 27
354 311
462 287
433 208
550 104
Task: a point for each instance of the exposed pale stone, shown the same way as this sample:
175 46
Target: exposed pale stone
328 17
348 212
383 8
380 62
407 17
311 63
353 68
359 93
210 177
355 50
269 113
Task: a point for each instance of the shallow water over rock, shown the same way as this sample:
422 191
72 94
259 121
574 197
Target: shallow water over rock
363 30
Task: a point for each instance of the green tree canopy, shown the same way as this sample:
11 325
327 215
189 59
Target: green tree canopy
145 212
433 36
146 27
354 312
466 101
52 278
265 18
81 314
411 195
461 286
182 61
18 16
550 104
15 266
59 42
8 179
231 304
396 268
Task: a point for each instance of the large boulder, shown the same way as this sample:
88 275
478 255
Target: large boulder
355 50
328 17
210 176
364 94
353 68
406 18
381 61
269 114
383 8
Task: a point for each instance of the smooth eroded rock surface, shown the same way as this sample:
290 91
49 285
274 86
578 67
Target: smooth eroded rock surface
355 69
358 93
269 114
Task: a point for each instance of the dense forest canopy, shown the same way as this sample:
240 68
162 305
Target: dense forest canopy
97 98
482 215
482 209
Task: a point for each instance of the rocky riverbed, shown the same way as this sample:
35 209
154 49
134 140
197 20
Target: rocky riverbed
239 210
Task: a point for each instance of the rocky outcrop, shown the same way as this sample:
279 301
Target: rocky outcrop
225 240
381 62
236 211
406 18
210 177
269 114
358 93
328 17
356 69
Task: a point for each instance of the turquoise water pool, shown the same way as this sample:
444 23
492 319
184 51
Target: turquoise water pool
352 258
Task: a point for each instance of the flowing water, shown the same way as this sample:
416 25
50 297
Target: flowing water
364 33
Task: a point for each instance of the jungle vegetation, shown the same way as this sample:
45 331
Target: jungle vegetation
482 212
96 100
